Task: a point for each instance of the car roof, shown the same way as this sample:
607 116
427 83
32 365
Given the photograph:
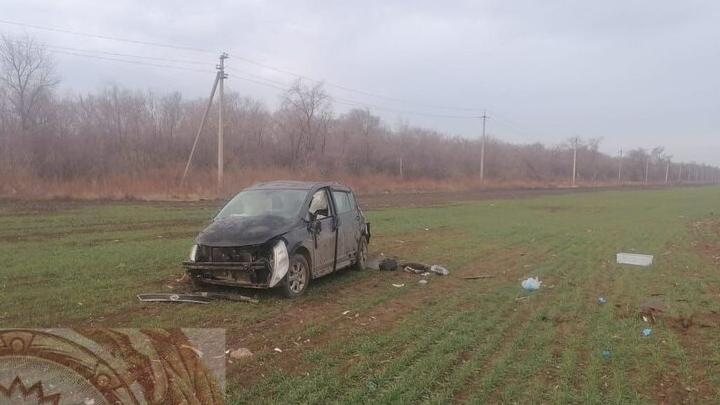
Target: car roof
297 185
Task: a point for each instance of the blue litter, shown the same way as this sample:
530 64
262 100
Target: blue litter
372 385
531 284
606 354
646 331
601 300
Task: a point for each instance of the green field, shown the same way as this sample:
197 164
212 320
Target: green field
478 341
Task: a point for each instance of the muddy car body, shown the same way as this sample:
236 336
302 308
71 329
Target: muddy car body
281 234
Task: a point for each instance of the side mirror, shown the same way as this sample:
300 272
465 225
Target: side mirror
313 225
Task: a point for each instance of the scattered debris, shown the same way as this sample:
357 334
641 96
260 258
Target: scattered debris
196 297
646 332
414 271
277 349
475 277
606 354
240 353
399 285
634 259
388 265
424 269
651 308
165 297
601 300
531 283
371 385
346 312
422 281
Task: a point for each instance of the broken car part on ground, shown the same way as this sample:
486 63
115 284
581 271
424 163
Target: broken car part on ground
196 297
281 233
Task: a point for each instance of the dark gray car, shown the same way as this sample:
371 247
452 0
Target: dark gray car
281 233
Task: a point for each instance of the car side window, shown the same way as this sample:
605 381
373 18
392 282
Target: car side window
319 207
342 201
351 200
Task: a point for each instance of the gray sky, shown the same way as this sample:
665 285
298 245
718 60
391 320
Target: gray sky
636 73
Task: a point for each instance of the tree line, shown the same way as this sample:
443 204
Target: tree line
118 130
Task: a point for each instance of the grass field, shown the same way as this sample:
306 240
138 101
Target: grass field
479 341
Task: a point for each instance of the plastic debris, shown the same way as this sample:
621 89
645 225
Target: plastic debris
277 349
398 285
240 353
423 281
646 332
437 269
388 265
634 259
372 385
531 284
346 312
410 269
601 300
606 354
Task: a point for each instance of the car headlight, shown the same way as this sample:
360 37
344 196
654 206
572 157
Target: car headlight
280 262
193 253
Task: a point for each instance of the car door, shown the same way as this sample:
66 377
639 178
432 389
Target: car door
347 243
358 220
324 233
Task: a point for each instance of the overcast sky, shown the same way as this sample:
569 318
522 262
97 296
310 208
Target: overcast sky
636 73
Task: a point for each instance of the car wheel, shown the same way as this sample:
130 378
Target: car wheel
362 253
297 277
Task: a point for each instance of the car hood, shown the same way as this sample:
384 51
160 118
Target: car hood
242 231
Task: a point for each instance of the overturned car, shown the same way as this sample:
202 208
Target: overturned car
281 233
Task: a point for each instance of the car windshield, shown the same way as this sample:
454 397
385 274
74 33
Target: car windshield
250 203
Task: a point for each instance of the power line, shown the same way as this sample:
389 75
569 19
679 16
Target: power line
106 37
135 62
349 89
346 101
186 61
240 58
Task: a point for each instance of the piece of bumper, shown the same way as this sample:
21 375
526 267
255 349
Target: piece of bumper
239 274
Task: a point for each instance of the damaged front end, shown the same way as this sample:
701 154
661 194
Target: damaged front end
260 266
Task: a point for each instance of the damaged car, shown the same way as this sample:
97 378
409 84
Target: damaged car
281 234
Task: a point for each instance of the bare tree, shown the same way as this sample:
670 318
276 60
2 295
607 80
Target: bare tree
307 109
27 75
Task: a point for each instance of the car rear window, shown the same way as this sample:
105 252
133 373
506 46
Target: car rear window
342 200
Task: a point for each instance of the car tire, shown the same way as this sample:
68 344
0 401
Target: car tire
362 251
297 278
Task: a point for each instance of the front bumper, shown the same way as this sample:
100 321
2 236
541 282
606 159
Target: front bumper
238 274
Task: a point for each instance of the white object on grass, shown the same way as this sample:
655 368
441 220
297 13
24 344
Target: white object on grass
531 284
634 259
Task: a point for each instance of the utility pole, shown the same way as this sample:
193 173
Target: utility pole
482 149
221 77
575 145
620 168
667 171
647 168
202 125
